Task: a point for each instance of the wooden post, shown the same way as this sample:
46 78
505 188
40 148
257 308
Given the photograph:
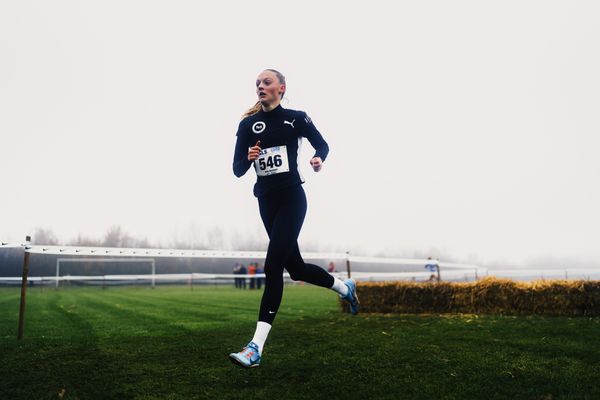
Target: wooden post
437 266
348 264
23 289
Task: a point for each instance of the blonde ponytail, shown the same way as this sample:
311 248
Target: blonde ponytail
252 110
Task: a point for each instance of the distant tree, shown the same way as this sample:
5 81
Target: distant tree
215 238
117 237
81 240
192 237
249 241
143 243
43 236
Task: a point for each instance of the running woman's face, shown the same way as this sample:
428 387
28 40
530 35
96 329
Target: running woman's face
268 88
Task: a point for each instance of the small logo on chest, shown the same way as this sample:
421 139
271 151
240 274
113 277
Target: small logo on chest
258 127
289 123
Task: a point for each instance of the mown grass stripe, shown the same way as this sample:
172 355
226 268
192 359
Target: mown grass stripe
98 350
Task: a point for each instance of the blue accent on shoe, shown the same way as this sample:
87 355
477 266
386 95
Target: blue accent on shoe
249 357
351 297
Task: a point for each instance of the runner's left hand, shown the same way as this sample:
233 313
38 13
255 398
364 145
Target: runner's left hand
316 163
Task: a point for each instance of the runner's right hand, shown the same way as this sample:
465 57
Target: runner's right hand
254 151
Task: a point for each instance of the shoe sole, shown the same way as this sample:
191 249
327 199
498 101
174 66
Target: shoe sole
238 362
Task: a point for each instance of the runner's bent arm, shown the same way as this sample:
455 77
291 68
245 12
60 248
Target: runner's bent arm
315 138
241 164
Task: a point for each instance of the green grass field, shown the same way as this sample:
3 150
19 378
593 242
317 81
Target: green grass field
172 343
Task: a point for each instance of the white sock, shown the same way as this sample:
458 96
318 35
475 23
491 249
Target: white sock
260 335
340 287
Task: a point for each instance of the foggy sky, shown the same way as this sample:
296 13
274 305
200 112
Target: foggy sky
465 127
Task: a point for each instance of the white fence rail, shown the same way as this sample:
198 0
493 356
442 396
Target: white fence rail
115 254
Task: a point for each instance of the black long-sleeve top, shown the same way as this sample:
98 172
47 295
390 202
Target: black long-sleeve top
280 132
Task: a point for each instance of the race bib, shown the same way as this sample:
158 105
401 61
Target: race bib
271 161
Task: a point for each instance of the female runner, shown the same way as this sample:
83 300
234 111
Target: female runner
269 137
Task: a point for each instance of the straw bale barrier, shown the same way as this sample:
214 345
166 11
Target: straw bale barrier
486 296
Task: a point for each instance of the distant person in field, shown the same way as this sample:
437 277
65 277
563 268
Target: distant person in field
243 271
269 138
236 281
331 267
259 281
433 266
252 271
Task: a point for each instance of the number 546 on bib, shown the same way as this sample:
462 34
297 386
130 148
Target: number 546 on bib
272 160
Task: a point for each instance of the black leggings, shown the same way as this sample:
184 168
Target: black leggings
283 212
